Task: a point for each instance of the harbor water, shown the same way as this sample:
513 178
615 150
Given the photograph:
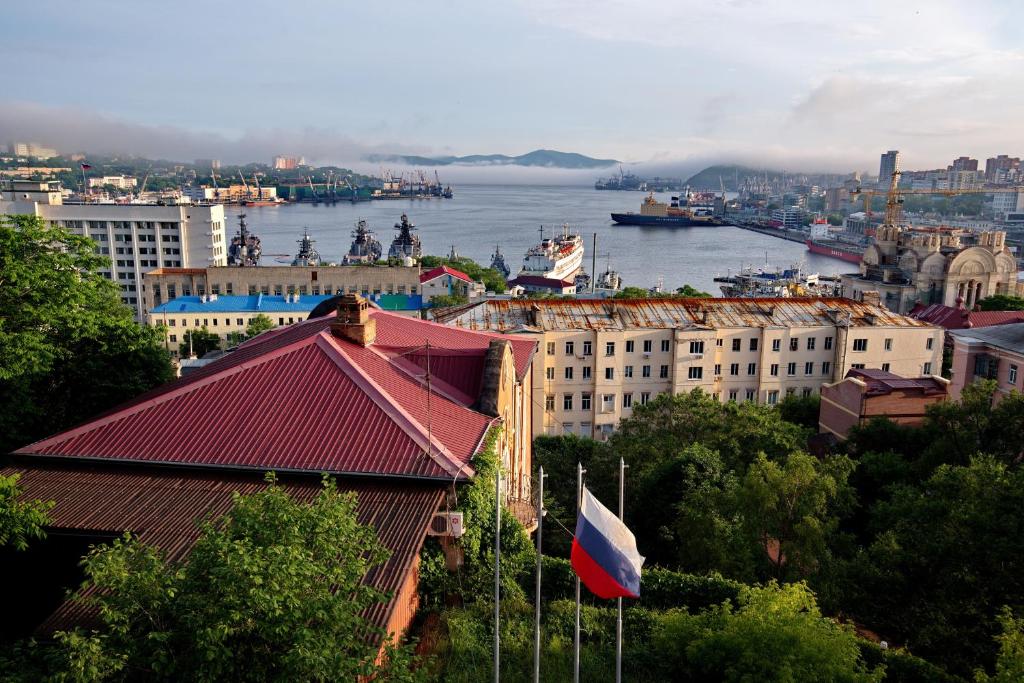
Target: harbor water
482 216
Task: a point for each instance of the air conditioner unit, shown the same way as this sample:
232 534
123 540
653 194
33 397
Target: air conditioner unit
446 524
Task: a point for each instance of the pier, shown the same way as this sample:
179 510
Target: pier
782 233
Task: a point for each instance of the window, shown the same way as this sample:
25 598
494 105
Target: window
732 394
811 341
627 400
888 343
790 391
627 371
609 373
648 344
826 368
609 348
608 403
751 368
588 348
629 346
718 342
927 368
808 368
734 369
585 401
174 338
586 372
773 397
569 348
776 344
828 343
645 396
1011 376
549 402
239 322
550 373
718 369
566 401
750 394
695 373
753 344
791 369
568 427
885 367
807 391
928 343
794 344
736 344
645 371
665 344
860 344
696 347
774 370
857 366
551 348
663 372
172 322
568 372
586 429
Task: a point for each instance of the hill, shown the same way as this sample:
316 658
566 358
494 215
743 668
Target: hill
709 177
548 158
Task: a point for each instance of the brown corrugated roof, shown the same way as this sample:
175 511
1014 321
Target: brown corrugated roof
162 507
675 313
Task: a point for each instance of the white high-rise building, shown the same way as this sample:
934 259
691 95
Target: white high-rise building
138 238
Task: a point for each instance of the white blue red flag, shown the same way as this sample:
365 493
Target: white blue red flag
604 553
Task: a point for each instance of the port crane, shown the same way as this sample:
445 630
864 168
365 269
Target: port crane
248 192
316 197
259 190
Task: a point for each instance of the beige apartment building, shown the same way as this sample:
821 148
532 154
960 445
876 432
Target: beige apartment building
598 359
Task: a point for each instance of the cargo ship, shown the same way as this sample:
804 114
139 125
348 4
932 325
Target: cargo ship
653 212
844 251
555 258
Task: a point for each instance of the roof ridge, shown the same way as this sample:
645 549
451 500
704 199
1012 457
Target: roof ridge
406 422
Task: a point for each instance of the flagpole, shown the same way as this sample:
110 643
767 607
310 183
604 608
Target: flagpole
536 598
618 619
497 573
576 632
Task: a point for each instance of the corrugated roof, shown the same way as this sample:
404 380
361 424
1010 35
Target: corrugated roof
252 303
952 318
300 398
443 270
676 313
162 507
881 382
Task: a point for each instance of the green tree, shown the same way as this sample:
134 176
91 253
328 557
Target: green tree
273 591
774 633
448 300
259 324
492 279
1010 661
975 424
1002 302
20 521
801 410
692 292
69 347
199 342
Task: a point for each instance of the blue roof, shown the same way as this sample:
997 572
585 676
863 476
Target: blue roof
255 303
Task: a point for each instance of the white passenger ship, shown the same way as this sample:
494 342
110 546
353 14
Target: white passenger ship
557 258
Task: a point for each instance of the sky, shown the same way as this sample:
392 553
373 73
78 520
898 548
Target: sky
801 84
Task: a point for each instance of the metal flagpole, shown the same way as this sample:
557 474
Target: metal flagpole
618 619
536 598
576 633
497 573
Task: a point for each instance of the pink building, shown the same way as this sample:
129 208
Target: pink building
988 353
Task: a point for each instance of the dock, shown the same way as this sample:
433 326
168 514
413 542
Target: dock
781 233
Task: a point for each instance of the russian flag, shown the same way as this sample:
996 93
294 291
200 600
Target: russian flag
604 553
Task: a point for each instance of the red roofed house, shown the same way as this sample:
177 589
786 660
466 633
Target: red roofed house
394 407
445 281
960 318
546 285
868 393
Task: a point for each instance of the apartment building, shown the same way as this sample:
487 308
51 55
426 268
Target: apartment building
995 352
601 358
138 238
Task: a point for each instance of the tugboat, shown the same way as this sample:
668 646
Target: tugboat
307 256
405 244
245 249
609 280
498 262
556 258
365 247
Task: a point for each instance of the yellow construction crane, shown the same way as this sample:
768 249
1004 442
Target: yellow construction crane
894 196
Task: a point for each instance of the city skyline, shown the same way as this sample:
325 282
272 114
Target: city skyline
801 87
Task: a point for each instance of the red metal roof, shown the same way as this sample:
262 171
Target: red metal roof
443 270
162 507
538 281
952 318
304 399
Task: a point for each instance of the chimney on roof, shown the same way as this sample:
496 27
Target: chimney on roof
535 315
871 297
497 362
354 322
